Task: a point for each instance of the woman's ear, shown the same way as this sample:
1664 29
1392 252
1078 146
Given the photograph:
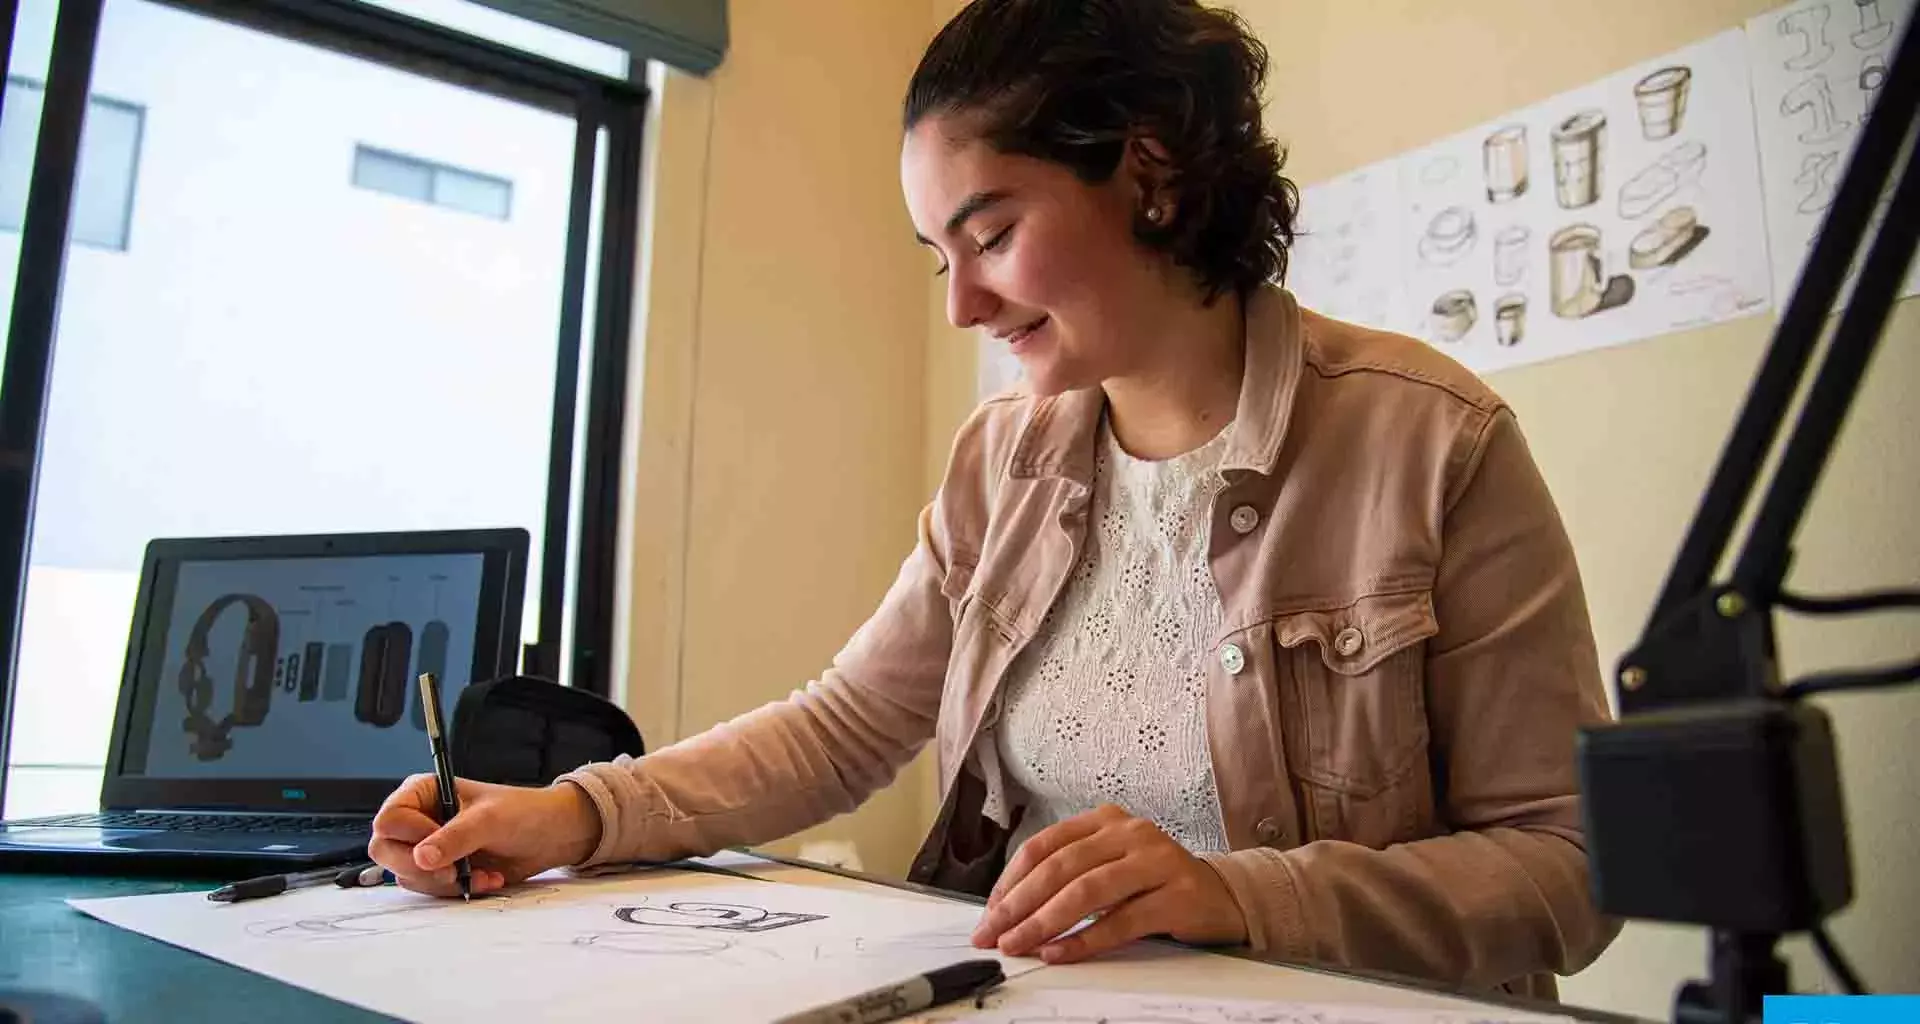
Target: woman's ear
1150 167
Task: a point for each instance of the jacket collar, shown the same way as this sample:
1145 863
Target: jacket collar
1059 437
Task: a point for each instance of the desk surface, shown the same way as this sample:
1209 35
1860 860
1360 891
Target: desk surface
47 946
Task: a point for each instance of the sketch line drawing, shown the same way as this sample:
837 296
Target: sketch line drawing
1449 237
1510 255
1814 97
1439 170
1819 178
1504 162
1810 24
1874 26
1873 74
726 917
1510 319
1661 98
1454 314
1668 240
1579 149
1579 283
391 920
1659 181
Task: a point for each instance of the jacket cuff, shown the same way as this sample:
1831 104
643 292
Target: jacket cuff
1269 899
623 801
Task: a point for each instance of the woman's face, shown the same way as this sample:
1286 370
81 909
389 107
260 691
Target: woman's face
1041 261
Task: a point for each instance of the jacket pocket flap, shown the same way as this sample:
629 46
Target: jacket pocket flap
1355 638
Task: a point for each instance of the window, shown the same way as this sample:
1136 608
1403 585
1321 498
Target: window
380 170
109 159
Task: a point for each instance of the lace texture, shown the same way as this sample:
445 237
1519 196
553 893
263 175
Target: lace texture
1107 704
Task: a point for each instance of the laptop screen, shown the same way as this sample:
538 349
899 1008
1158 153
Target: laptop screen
280 671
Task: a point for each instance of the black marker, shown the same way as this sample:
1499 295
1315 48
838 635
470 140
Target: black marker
271 885
443 774
940 985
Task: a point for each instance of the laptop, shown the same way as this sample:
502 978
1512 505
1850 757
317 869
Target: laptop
269 701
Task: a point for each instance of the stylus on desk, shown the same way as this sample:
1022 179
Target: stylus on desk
443 773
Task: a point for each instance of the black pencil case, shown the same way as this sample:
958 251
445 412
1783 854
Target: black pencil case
523 731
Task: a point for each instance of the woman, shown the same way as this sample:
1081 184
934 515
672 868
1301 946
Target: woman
1247 626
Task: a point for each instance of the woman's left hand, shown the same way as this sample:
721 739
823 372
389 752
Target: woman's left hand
1122 868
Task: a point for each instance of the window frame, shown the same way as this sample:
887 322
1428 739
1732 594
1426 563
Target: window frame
139 112
609 114
435 171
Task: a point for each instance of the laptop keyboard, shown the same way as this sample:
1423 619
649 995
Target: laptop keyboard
179 822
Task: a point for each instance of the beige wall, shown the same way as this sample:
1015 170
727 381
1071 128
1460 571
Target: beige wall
779 466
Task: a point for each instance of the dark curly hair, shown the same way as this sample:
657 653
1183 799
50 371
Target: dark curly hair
1073 81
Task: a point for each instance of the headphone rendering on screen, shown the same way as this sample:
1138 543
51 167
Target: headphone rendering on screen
252 677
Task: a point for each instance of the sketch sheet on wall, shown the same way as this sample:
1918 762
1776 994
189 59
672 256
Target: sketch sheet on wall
1087 1006
656 945
1618 211
1345 253
1817 67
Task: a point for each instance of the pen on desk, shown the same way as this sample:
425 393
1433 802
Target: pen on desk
362 876
271 885
443 773
940 985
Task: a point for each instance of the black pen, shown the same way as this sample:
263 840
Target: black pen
443 773
940 985
271 885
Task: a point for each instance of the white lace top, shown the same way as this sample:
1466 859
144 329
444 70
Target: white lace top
1107 703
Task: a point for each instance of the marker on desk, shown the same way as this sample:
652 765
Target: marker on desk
443 773
362 876
940 985
271 885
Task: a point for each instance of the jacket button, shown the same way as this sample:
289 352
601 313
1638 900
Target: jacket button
1267 831
1233 659
1244 519
1348 642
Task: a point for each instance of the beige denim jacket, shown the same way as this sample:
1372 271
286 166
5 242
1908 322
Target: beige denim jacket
1392 698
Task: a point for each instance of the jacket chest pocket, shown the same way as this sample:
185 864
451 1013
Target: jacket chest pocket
1351 686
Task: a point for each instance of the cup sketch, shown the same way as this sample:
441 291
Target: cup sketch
1510 255
1579 147
1578 280
1661 98
1454 314
1873 74
1510 319
1504 157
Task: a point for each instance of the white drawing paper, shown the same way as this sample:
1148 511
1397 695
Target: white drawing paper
1022 1005
656 946
1345 261
1817 66
1618 211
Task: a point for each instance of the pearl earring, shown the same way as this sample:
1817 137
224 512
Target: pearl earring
1155 214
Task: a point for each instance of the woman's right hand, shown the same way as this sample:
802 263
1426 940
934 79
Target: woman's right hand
508 833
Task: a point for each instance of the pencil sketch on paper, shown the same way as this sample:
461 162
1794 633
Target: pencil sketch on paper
1579 154
1449 237
392 920
1579 284
1439 170
1671 171
1817 181
1812 102
1808 28
1510 255
1661 99
1504 163
1668 240
1874 28
1453 315
722 917
1873 75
